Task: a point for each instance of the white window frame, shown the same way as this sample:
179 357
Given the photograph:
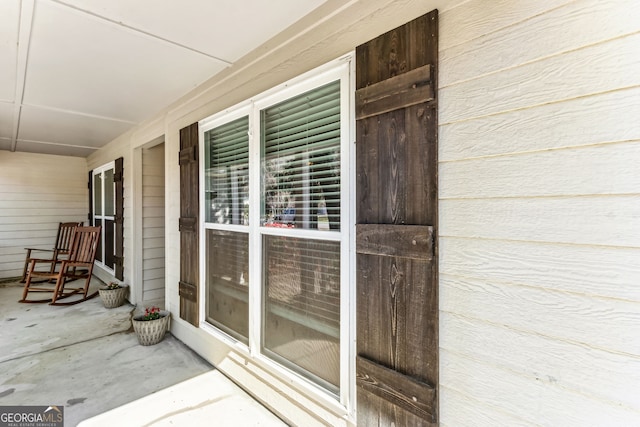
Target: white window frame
342 69
100 171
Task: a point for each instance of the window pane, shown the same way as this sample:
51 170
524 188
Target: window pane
97 194
301 161
227 173
99 222
109 193
109 234
302 306
228 282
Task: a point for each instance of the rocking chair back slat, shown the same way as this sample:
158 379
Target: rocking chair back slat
84 244
65 233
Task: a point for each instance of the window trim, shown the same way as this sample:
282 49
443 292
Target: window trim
342 69
100 171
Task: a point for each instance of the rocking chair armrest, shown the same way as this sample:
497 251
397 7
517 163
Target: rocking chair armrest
76 263
38 249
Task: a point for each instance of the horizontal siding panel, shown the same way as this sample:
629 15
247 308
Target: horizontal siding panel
464 410
50 226
155 212
40 205
44 234
43 197
153 181
479 17
10 271
72 187
152 243
152 253
27 242
153 295
603 169
543 35
11 251
555 362
600 68
59 212
150 191
48 221
152 163
575 318
577 122
153 232
152 202
153 222
153 273
528 397
17 258
587 270
606 220
153 263
153 284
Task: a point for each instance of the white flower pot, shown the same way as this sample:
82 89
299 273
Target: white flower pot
112 298
151 332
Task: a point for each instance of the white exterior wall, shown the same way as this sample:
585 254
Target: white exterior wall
539 155
153 241
539 205
36 194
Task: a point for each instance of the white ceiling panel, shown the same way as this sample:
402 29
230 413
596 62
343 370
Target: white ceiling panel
225 29
6 120
82 72
58 150
9 20
37 124
79 62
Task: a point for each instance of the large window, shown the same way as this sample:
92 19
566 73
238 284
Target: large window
104 205
276 244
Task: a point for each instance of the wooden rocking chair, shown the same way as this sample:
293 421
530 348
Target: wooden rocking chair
79 265
61 247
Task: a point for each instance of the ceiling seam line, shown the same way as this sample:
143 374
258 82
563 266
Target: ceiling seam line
27 8
146 33
78 113
59 144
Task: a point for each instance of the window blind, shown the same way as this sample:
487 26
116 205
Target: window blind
301 160
226 173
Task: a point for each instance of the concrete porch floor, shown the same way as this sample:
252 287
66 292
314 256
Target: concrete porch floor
87 358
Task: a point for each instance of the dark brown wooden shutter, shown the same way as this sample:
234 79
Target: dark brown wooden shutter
188 225
90 185
118 179
396 231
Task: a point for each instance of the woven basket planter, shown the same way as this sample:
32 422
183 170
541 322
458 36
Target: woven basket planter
112 298
151 332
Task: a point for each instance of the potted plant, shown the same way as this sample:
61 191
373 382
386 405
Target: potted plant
151 326
113 295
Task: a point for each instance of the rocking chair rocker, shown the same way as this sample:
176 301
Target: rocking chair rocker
79 265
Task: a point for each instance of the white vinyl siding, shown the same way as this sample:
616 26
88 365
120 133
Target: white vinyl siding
37 191
153 228
540 213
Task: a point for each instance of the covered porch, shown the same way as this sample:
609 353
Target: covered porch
86 359
534 202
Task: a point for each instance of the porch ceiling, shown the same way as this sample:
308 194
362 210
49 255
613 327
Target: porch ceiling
74 74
